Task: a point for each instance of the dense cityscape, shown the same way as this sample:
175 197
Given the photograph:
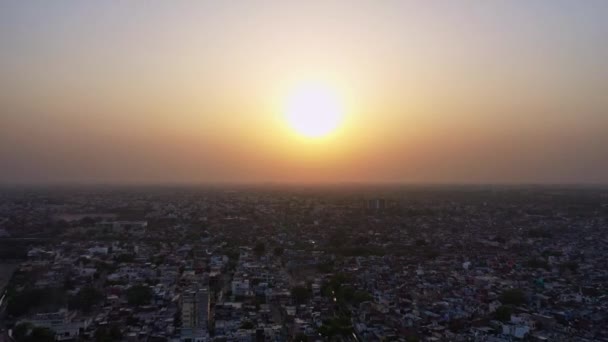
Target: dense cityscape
303 171
279 263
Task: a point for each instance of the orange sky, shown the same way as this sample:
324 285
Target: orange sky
471 92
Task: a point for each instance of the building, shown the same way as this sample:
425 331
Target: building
241 288
195 315
63 323
136 227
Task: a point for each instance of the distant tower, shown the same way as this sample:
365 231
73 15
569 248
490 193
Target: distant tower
203 304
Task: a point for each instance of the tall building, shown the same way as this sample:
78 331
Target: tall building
195 315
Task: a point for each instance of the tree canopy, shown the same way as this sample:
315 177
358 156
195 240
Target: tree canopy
513 297
260 248
300 294
139 295
85 299
25 332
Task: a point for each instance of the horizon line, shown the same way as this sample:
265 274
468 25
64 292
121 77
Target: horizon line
138 184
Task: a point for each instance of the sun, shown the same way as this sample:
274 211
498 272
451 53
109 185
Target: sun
314 110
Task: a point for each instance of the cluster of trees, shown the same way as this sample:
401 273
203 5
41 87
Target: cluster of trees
11 249
345 294
301 294
503 313
354 251
571 266
51 299
537 263
259 249
548 252
513 297
350 295
278 251
20 303
8 252
420 243
247 325
300 338
233 255
539 233
339 245
103 266
85 299
108 334
326 267
336 239
124 257
334 284
25 332
139 295
336 326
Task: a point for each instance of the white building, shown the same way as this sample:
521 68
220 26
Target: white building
241 287
61 323
195 316
515 330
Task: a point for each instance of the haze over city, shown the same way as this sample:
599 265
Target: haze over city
303 171
319 91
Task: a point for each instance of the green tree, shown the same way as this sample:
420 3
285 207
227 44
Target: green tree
537 263
232 254
300 338
337 326
539 233
125 258
300 294
68 283
513 297
337 239
85 299
503 313
326 267
21 303
108 334
259 249
39 334
360 297
457 325
247 325
420 242
139 295
21 330
571 266
278 251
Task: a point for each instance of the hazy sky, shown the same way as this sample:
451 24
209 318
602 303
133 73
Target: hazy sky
192 91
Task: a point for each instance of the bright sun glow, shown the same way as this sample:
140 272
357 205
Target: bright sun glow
314 110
